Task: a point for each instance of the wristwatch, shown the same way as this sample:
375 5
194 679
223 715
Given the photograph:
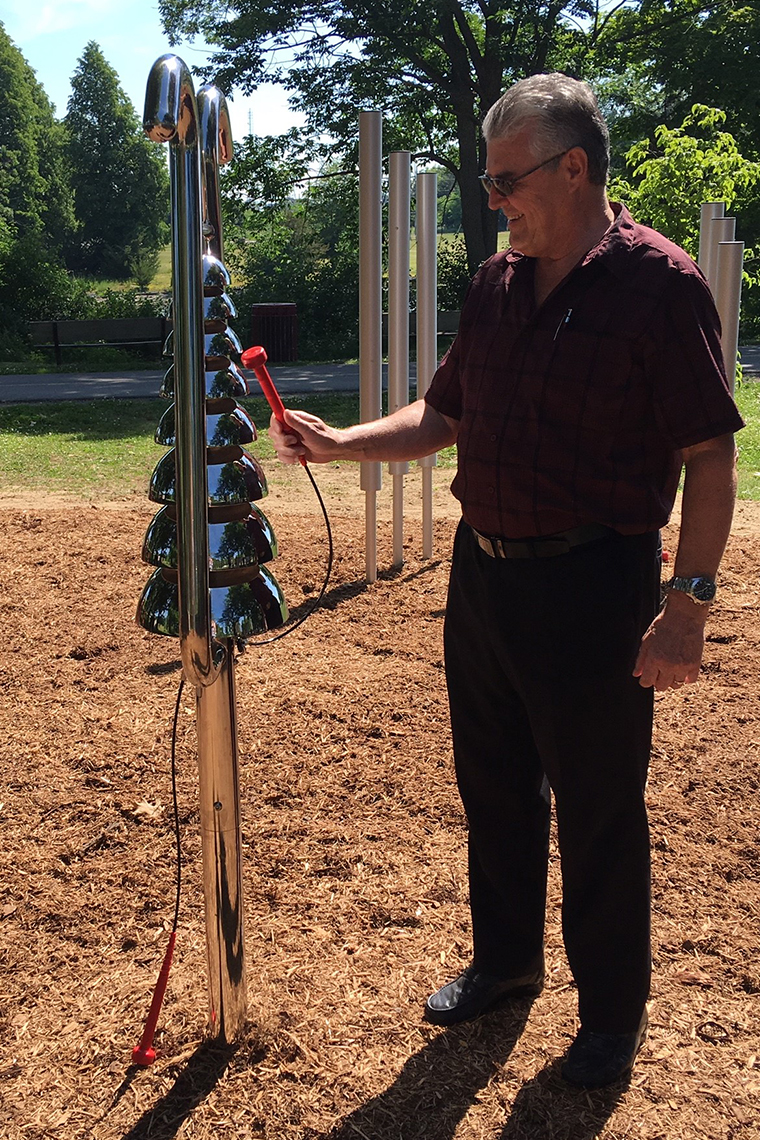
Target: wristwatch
700 589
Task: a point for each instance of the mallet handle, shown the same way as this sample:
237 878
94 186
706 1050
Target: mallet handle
256 359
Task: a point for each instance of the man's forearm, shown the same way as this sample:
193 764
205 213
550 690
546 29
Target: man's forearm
408 433
707 507
671 650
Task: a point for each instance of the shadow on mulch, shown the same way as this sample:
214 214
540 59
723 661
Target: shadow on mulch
198 1078
546 1108
439 1085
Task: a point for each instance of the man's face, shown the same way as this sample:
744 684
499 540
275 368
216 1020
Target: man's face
538 210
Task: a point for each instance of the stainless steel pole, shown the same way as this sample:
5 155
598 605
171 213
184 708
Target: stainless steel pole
200 129
370 311
728 277
708 211
399 203
427 326
718 230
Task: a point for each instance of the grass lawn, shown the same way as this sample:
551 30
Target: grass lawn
105 448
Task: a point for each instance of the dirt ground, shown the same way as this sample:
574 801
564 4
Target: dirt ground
355 877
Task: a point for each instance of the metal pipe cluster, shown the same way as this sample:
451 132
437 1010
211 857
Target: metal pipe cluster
208 542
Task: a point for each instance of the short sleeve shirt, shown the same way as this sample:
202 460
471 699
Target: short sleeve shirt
576 411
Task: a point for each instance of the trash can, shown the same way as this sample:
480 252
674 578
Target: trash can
275 328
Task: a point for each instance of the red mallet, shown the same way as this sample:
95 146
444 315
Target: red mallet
256 359
144 1054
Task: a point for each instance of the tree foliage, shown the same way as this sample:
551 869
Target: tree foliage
680 52
35 196
688 165
120 181
433 68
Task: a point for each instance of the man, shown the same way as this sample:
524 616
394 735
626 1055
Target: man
587 369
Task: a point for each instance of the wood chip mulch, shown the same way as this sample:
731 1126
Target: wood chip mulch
355 870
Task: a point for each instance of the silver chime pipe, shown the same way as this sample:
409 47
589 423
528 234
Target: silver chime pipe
216 151
399 204
370 312
200 138
171 115
427 326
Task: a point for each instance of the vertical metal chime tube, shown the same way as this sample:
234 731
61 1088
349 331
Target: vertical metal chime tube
708 211
718 230
370 311
427 326
179 536
218 760
400 169
728 286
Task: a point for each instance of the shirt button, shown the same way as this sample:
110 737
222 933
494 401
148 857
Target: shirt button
491 491
493 439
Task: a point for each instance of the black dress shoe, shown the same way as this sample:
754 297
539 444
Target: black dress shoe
597 1059
473 992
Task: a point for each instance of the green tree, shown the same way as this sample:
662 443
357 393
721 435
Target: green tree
35 195
120 181
433 68
662 57
36 203
301 249
694 163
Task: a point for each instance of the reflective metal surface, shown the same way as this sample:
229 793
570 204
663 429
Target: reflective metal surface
223 346
171 115
215 275
220 835
233 543
216 150
208 541
220 383
219 308
240 611
238 481
224 430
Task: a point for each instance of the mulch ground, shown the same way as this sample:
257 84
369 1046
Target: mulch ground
355 876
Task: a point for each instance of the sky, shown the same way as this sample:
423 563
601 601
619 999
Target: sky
52 34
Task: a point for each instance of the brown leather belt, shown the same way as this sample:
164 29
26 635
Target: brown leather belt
545 546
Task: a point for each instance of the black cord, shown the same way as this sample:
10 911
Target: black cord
321 594
177 837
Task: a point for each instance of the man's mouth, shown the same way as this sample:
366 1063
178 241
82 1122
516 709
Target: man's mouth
513 218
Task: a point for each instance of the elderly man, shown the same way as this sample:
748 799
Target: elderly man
587 370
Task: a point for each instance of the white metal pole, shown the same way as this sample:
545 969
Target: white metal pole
370 311
730 264
708 211
427 326
399 203
718 230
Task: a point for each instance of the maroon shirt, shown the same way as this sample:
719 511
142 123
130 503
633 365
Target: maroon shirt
575 412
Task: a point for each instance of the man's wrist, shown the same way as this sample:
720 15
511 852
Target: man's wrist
685 607
698 588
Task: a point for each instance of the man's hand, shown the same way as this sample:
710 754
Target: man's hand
671 649
309 436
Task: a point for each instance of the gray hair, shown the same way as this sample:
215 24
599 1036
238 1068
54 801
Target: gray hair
561 113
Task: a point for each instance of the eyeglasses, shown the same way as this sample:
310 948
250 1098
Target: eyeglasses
504 187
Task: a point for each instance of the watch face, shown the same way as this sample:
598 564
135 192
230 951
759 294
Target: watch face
703 589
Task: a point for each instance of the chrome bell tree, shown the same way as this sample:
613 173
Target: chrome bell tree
208 541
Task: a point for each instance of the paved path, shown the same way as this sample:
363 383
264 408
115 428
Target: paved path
291 380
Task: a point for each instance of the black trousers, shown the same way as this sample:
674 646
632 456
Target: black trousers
539 660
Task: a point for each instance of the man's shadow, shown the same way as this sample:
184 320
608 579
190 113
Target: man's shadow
439 1084
548 1108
